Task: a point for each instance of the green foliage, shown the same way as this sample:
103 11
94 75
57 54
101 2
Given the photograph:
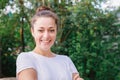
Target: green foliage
3 3
7 44
86 34
8 64
93 41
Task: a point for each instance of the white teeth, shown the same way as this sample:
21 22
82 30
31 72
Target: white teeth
45 41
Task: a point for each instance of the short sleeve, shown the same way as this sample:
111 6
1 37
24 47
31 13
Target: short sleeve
72 67
24 61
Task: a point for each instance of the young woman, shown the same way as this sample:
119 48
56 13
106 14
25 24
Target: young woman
41 63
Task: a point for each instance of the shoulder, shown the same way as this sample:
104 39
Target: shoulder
25 56
64 57
24 60
61 56
25 66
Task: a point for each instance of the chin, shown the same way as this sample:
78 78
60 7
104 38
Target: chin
45 48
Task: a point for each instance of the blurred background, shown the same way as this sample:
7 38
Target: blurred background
89 32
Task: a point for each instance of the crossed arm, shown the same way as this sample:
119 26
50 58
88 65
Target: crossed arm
76 77
27 74
30 74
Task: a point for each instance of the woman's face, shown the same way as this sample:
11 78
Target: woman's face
44 32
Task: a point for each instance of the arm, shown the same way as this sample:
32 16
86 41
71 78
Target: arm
27 74
76 76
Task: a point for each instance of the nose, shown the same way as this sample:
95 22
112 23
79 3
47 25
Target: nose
46 35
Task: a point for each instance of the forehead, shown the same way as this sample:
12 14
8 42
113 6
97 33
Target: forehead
45 22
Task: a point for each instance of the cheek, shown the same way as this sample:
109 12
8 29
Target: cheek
36 36
53 36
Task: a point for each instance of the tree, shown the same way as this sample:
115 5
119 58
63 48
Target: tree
86 33
92 41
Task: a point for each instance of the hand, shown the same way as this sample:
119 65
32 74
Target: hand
77 77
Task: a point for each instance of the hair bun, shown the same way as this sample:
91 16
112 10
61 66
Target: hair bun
42 8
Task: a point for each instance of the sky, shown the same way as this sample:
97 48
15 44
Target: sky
111 3
114 3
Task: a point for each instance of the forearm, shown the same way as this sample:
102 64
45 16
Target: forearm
27 74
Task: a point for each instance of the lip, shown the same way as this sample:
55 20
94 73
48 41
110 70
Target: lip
45 41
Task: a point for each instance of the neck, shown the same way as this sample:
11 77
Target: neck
47 53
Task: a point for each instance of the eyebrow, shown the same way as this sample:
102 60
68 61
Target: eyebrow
49 27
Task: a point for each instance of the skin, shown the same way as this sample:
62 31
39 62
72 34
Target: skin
44 32
30 73
76 76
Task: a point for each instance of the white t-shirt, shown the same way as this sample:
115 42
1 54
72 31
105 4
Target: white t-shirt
59 67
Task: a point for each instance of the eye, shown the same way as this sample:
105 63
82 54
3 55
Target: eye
52 30
41 31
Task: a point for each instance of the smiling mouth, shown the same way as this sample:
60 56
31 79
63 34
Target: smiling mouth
46 42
